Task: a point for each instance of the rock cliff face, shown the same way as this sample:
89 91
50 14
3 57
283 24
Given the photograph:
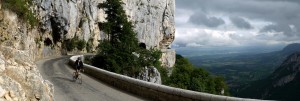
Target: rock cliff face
61 20
153 21
287 72
150 74
19 78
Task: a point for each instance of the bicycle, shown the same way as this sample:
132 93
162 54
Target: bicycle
77 76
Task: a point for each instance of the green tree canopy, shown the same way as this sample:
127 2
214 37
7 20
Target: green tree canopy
186 76
120 52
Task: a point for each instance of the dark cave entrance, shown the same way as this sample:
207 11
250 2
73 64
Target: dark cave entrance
142 45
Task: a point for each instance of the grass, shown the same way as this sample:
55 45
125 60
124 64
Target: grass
21 8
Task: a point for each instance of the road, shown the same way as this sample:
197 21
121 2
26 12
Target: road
57 71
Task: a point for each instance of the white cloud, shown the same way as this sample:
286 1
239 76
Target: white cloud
195 37
194 45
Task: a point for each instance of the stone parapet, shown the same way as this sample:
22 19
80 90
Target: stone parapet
149 90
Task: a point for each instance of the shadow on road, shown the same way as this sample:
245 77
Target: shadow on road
64 78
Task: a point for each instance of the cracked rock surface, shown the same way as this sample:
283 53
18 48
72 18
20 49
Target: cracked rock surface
153 20
19 78
21 45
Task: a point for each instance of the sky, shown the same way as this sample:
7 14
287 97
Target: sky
236 23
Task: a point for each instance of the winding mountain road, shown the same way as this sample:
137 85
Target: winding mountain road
57 71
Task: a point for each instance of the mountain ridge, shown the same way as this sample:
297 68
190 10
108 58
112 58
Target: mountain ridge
282 84
291 47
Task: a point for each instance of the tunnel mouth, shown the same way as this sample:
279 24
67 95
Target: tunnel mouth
47 42
142 45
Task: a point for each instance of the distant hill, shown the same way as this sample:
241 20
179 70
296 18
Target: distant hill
291 48
283 84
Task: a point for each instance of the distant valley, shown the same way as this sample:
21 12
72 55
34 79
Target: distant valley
240 69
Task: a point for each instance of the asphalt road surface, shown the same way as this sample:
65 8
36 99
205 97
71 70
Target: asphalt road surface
58 72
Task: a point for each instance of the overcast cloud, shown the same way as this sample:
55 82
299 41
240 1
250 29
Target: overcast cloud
203 19
211 23
240 23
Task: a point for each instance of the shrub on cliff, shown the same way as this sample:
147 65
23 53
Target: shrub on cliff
89 45
21 8
70 44
73 43
81 45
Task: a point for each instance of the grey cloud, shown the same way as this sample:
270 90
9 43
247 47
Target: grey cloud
295 1
286 29
202 19
281 13
241 23
274 11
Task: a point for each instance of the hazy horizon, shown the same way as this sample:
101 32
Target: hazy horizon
202 51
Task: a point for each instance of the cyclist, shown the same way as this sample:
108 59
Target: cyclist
78 65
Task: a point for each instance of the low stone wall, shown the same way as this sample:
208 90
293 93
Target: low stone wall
149 90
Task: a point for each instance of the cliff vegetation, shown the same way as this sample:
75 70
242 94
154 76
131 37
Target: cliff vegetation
22 9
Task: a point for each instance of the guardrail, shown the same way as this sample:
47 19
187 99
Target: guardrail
149 90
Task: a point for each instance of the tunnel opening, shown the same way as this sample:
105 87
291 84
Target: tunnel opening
47 42
142 45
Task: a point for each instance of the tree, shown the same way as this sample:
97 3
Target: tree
181 74
120 52
117 23
186 76
199 78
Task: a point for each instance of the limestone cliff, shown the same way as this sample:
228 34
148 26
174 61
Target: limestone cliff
153 21
19 78
60 20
